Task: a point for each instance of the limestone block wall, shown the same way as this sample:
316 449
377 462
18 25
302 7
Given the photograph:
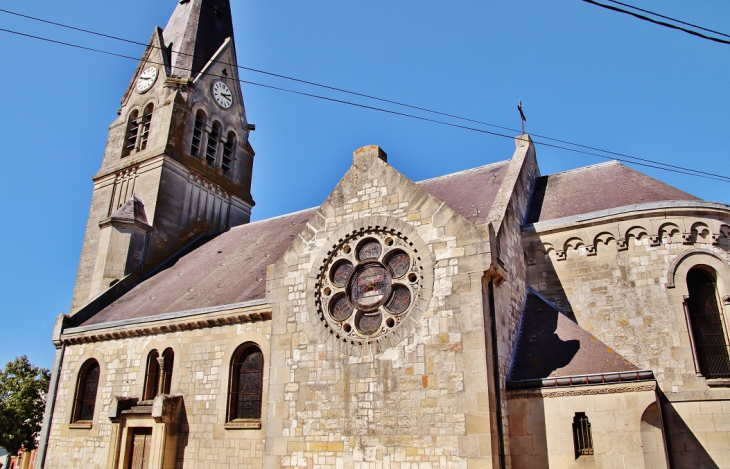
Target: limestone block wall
418 396
625 432
200 375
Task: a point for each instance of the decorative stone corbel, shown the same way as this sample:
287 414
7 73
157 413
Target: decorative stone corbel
622 244
687 238
591 250
560 255
726 300
655 240
716 238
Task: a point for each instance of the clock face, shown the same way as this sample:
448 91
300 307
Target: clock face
222 95
146 79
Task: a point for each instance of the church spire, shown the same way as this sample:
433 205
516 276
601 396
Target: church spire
196 30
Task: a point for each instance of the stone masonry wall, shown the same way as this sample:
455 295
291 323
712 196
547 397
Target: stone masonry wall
421 402
200 374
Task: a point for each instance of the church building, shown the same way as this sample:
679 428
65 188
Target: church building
491 318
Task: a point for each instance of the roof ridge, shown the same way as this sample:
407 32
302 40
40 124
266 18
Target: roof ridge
464 171
284 215
586 168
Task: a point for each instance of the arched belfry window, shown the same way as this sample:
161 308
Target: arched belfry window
168 357
130 141
86 388
246 383
707 325
197 134
152 377
212 147
229 149
146 123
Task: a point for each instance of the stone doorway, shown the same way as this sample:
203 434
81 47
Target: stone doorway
139 456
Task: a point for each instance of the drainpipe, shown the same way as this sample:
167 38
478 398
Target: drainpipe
40 460
497 378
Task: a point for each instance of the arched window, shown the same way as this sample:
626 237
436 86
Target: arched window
197 134
212 148
152 377
146 122
228 153
86 388
130 141
246 383
169 358
707 325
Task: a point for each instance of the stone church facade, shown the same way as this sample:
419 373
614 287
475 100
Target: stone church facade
489 318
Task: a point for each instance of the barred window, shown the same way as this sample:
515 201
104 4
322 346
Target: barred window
146 122
246 383
212 148
86 388
152 377
707 325
228 153
582 436
130 141
197 134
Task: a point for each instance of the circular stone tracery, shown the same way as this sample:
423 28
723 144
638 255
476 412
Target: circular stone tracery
368 285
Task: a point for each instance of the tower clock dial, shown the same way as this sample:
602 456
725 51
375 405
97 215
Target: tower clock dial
222 94
146 79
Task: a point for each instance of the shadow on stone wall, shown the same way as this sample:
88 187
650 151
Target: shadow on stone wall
685 450
528 438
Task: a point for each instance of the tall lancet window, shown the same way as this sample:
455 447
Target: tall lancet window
229 150
130 141
212 147
86 388
246 383
146 122
197 134
707 324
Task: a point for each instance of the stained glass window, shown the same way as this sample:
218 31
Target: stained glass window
86 391
247 377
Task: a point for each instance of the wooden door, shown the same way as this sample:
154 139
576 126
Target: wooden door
141 442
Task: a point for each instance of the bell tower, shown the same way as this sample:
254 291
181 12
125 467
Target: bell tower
178 162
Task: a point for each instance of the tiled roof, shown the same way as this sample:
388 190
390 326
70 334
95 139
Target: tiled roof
132 211
217 270
231 267
550 344
593 188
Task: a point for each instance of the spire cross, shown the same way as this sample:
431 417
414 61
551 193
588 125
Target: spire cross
522 116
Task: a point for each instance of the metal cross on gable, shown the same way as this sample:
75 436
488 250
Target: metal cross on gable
522 116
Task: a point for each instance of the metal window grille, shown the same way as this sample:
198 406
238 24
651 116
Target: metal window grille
86 393
582 435
197 133
212 148
247 384
152 380
132 130
707 326
228 149
146 122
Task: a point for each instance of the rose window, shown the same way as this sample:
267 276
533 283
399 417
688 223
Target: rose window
368 285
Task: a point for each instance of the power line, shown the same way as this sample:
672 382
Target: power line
660 23
650 164
354 93
669 18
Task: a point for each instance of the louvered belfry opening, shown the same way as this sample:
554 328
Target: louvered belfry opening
228 150
197 134
88 383
582 435
146 123
212 148
247 375
708 325
130 142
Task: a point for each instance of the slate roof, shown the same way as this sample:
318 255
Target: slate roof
598 187
132 211
551 344
230 267
197 29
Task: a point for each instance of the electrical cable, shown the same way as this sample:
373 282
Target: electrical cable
660 23
565 142
669 18
655 164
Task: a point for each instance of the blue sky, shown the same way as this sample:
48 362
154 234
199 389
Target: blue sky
584 74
